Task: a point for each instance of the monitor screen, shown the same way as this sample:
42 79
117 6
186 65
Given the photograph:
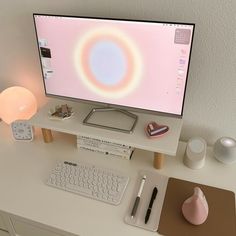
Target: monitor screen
129 63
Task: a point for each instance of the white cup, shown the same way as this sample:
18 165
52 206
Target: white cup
195 153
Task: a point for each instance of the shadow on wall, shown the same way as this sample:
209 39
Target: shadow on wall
206 133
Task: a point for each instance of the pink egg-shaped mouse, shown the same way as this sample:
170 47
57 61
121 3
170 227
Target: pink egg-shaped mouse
195 209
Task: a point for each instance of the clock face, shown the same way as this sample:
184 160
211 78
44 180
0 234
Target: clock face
22 131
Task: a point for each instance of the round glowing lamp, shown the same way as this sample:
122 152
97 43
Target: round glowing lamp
17 103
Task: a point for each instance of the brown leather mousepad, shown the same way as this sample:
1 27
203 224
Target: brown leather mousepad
221 219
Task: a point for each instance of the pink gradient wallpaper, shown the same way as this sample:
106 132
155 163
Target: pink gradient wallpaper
128 63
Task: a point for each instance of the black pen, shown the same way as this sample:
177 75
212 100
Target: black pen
136 203
153 197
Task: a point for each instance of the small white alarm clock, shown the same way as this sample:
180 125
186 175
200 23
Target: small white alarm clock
22 131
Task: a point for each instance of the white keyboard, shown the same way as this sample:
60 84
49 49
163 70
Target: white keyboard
90 181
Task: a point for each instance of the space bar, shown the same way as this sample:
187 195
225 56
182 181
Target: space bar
78 189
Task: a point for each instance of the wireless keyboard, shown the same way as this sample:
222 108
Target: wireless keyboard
90 181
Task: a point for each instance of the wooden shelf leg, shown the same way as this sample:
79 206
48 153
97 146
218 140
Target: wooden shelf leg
47 135
158 160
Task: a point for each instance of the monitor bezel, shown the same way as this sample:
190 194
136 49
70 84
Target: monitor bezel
98 103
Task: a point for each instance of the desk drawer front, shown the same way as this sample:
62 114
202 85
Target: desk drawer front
26 229
4 233
2 225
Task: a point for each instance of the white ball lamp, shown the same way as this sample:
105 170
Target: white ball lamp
224 150
17 103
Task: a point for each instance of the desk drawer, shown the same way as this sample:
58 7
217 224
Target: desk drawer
2 225
23 228
4 233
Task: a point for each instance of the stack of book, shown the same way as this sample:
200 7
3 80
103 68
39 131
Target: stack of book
103 146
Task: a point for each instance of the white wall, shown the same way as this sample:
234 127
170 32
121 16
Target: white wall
210 107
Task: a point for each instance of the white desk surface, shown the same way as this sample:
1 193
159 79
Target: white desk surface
25 166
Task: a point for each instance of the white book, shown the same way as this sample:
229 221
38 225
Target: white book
96 140
106 152
106 147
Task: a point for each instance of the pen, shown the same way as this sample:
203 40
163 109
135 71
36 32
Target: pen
153 197
136 203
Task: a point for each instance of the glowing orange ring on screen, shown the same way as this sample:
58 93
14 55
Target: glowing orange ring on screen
134 67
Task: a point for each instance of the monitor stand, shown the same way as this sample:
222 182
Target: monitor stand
92 120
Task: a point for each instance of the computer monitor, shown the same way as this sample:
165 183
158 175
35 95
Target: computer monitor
132 64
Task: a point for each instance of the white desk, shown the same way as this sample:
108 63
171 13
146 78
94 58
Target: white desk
24 167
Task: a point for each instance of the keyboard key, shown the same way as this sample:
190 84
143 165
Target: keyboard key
78 188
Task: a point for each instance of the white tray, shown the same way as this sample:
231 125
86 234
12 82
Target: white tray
153 179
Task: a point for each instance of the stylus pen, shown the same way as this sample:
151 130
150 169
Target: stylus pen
137 200
149 210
